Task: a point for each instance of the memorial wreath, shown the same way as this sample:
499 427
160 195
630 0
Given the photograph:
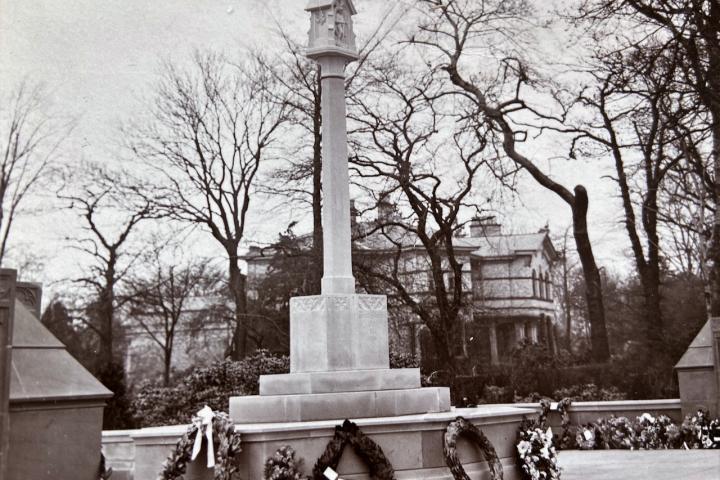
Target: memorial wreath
461 427
215 427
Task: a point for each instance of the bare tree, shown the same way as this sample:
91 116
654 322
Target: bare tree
160 298
29 141
639 109
456 30
692 28
213 126
396 125
110 205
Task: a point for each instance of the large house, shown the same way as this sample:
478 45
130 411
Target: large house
506 280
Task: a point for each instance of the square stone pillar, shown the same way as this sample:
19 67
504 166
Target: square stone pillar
492 333
534 331
519 332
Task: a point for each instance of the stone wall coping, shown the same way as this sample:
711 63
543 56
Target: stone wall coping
657 404
21 405
484 414
117 436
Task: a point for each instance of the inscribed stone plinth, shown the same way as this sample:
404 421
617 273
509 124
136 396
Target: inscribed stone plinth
338 332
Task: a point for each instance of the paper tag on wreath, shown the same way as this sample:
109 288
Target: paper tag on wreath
331 474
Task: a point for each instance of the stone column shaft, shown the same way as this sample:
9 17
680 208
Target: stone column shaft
337 254
519 332
494 356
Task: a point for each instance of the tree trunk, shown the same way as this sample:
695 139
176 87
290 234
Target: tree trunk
238 349
166 367
317 272
713 254
593 284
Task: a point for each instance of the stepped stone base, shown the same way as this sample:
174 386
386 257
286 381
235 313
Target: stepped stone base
340 381
326 406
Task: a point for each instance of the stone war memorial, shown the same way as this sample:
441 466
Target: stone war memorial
339 359
526 404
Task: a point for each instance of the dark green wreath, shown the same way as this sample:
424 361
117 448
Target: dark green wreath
461 427
228 445
369 451
567 437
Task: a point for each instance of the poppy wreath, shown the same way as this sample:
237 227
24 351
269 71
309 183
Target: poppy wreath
369 451
567 437
228 445
544 412
462 428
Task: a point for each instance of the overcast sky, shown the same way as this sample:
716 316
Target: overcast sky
99 58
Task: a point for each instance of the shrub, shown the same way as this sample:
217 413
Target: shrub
116 415
403 360
589 392
212 386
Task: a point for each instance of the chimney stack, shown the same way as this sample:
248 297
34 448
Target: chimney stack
353 215
386 211
484 227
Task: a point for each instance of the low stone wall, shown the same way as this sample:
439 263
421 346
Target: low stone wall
585 412
139 454
119 450
412 443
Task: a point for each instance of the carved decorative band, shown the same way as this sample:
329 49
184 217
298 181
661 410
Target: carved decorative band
307 304
372 303
28 296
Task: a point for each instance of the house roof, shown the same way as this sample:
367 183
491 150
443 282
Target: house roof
491 246
487 246
42 369
510 245
699 353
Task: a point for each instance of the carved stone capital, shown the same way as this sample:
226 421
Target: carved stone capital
30 294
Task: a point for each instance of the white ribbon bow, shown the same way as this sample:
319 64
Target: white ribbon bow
203 419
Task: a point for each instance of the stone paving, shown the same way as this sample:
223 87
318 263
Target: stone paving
640 465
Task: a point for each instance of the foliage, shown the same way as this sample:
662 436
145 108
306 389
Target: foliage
530 366
283 465
228 441
403 360
117 413
589 392
212 385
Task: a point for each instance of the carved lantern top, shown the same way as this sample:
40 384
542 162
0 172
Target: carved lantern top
331 28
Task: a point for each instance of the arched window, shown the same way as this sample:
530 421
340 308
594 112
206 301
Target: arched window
542 286
534 281
548 287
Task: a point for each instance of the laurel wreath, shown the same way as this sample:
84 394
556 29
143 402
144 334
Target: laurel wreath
369 452
566 438
228 446
462 428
